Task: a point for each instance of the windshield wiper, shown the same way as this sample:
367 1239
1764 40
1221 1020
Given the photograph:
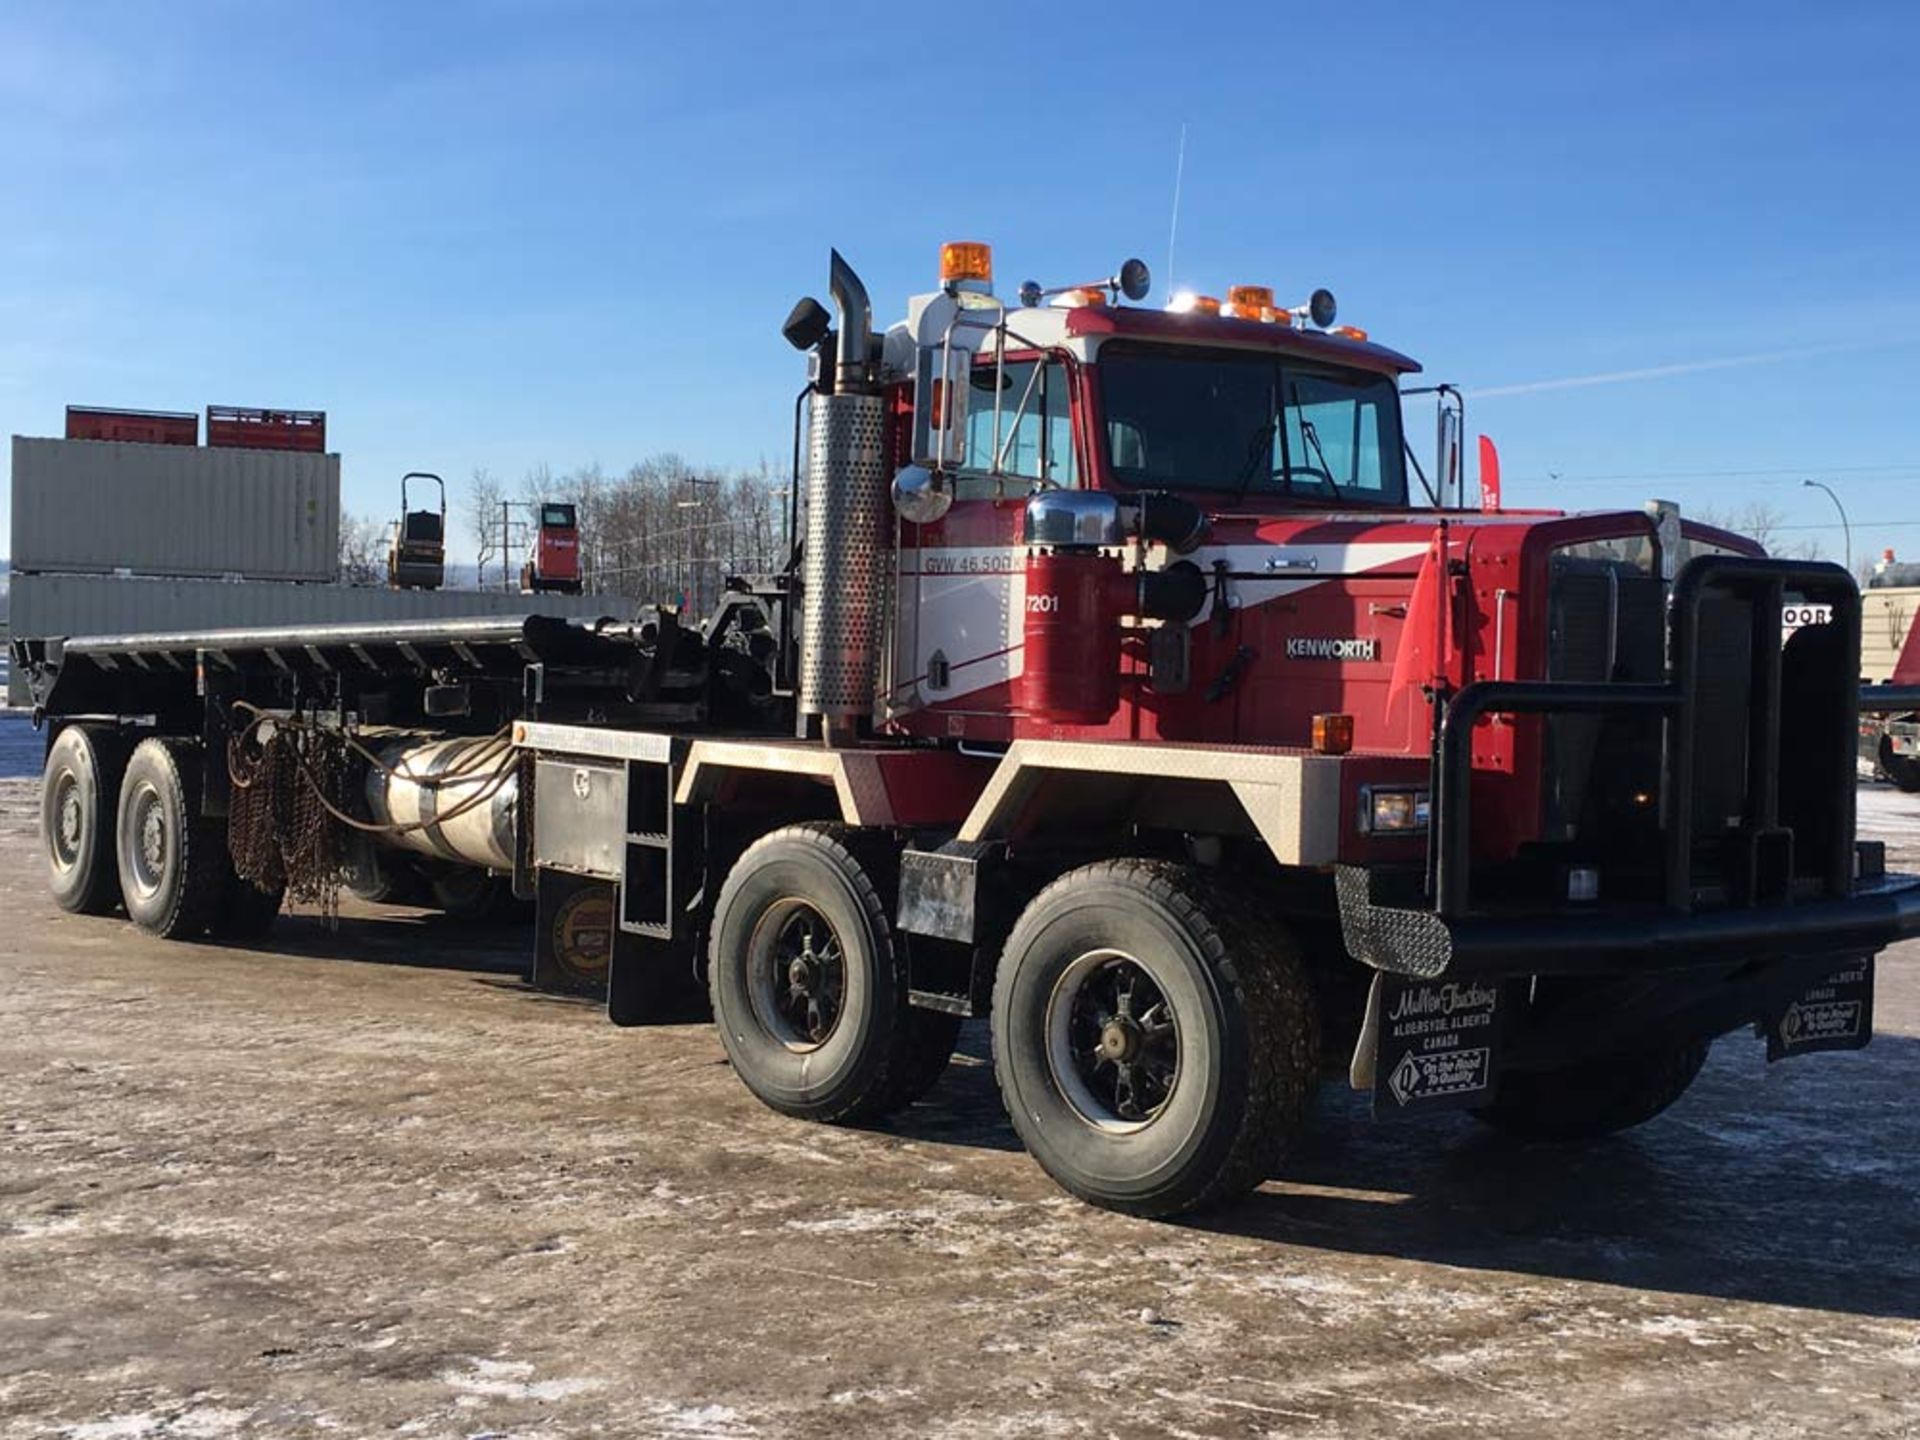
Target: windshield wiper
1259 449
1312 438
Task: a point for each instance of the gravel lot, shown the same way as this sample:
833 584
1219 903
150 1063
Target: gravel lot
369 1184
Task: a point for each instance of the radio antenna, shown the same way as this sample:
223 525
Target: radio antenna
1173 228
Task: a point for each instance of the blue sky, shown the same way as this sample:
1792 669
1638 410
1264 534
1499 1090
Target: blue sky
507 234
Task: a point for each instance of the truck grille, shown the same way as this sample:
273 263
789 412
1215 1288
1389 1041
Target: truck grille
1606 623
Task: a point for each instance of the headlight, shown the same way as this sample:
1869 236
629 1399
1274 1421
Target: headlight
1392 812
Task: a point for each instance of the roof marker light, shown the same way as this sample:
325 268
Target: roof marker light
1185 302
1348 332
1074 299
1251 302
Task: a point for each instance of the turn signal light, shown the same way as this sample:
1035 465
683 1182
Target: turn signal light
1332 734
964 260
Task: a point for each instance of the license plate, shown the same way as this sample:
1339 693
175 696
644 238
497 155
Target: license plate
1435 1044
1836 1014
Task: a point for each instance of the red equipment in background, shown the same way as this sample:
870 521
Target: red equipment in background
244 428
554 563
146 427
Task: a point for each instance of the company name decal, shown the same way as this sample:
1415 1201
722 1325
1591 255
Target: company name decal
1328 647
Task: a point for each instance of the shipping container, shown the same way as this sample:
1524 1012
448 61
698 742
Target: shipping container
241 427
94 507
46 606
143 427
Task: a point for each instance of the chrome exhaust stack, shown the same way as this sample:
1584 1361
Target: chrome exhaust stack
844 571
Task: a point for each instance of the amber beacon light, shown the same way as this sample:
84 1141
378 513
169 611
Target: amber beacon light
967 263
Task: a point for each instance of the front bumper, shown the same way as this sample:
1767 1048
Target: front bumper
1598 940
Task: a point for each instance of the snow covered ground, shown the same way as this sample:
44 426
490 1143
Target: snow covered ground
20 748
1887 814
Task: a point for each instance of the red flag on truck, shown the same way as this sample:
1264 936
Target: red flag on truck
1489 475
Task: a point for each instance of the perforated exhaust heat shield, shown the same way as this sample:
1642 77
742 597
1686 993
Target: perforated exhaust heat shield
845 569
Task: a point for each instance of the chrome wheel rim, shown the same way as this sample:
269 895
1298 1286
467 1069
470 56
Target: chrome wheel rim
69 820
1113 1042
149 840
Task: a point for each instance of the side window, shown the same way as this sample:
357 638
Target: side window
1035 423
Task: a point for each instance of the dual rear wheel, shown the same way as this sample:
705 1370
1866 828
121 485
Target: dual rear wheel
1156 1042
121 824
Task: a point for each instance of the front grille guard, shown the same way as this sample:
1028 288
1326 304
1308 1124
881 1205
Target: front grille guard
1761 582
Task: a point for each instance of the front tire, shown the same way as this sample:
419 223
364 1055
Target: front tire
79 791
1155 1039
173 863
1600 1097
808 984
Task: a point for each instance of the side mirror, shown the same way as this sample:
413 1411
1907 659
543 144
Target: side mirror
807 323
944 347
1447 472
921 496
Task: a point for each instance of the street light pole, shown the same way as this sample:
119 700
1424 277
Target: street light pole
1845 528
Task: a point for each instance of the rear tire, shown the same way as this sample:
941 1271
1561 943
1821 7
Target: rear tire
923 1055
809 988
472 896
79 793
1156 1039
174 868
247 912
1902 770
1596 1098
380 877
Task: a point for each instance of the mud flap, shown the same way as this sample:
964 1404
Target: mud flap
1428 1045
1836 1014
574 934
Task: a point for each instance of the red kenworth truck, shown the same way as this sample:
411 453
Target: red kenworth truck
1131 685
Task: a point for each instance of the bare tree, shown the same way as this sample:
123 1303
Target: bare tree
485 519
671 532
1761 522
667 531
363 549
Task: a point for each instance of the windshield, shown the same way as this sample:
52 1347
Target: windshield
557 515
1250 423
